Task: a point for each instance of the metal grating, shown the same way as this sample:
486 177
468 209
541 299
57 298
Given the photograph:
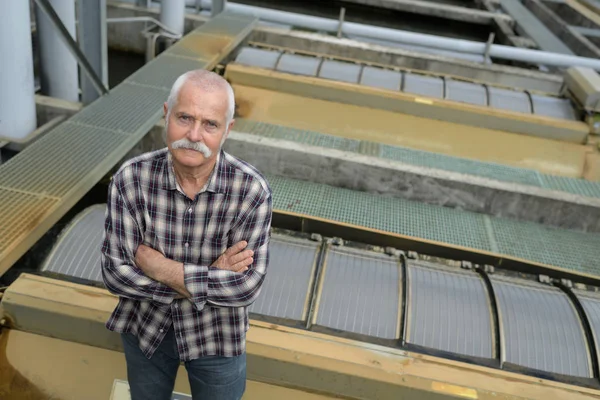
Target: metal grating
36 170
553 107
541 329
340 71
424 85
571 185
69 159
297 135
153 74
559 247
381 78
299 65
384 213
20 211
77 251
127 108
286 290
448 310
466 92
258 57
510 100
360 293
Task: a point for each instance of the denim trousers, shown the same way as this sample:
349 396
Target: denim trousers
212 377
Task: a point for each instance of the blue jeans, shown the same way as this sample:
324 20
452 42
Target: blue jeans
214 378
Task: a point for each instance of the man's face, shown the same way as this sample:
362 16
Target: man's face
198 120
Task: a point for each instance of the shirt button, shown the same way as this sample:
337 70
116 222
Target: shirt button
161 331
190 210
187 244
176 305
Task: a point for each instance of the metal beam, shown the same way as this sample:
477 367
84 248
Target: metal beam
93 42
218 7
534 28
436 9
589 32
46 7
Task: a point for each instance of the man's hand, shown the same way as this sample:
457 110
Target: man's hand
235 259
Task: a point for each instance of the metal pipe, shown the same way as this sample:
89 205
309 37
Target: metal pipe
172 14
17 98
218 6
431 41
59 74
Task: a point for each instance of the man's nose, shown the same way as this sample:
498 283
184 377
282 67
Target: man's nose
195 134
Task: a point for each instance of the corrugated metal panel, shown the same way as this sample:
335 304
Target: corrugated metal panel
258 57
153 74
466 92
510 100
299 65
541 329
77 251
424 85
381 78
448 310
340 71
553 107
360 293
285 292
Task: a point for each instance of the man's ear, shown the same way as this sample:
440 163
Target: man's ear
165 110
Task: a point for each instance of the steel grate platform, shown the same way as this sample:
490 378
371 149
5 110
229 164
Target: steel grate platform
43 181
421 158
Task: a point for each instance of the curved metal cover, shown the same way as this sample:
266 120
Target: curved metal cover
77 251
448 310
381 78
591 306
258 57
360 293
540 328
424 85
510 100
340 71
297 64
553 107
285 291
466 92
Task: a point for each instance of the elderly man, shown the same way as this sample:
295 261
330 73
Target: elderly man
186 249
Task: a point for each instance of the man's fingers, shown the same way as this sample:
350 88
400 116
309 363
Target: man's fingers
242 264
240 256
236 248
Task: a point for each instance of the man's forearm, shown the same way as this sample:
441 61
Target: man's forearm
171 274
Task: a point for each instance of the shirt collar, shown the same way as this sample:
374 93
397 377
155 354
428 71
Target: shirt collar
217 181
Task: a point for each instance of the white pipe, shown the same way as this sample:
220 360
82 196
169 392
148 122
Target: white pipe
432 41
172 14
17 93
59 73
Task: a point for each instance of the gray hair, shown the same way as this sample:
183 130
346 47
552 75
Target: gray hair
206 80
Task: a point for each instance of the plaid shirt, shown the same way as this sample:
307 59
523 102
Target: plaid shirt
147 206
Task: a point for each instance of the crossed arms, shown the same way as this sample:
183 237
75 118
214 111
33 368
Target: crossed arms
133 270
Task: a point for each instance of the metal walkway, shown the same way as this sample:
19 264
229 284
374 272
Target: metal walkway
41 183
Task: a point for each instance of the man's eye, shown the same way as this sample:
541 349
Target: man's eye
185 118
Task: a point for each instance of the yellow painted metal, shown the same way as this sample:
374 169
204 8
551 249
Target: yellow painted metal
375 125
28 371
431 108
276 355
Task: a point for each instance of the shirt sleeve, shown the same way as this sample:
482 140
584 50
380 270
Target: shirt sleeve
122 237
232 289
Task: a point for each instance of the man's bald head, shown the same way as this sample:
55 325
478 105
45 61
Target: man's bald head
206 81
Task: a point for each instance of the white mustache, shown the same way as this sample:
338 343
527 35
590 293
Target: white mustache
187 144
